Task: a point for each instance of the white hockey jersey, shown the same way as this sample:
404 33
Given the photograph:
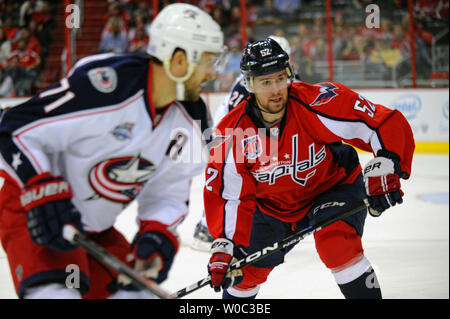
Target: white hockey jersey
99 130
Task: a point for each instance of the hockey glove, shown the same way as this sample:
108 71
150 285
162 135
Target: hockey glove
382 182
46 199
220 263
154 251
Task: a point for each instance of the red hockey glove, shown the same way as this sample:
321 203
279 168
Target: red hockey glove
46 199
382 182
219 264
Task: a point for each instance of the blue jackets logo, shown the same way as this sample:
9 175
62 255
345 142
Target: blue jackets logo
120 179
103 79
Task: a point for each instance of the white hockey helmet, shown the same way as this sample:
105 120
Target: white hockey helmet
283 42
187 27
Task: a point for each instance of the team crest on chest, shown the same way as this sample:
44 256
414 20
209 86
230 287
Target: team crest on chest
298 168
120 179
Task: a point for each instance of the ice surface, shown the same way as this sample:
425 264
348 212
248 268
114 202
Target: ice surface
408 246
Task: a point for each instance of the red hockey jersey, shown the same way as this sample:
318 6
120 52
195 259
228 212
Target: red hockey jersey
283 168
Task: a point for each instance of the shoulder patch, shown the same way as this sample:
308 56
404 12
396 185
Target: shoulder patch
325 95
104 79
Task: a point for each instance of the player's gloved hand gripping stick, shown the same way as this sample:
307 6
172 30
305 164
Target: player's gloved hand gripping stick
288 241
382 182
72 235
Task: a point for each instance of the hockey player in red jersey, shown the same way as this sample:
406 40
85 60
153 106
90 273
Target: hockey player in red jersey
116 129
202 237
282 161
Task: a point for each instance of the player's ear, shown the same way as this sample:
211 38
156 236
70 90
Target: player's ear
179 63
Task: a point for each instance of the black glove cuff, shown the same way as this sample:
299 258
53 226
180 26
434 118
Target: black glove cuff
388 154
395 158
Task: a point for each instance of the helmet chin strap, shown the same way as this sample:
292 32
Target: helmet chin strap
179 80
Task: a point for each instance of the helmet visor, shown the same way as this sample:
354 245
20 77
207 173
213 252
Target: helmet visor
212 63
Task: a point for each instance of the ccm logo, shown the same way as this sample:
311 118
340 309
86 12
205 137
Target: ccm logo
328 205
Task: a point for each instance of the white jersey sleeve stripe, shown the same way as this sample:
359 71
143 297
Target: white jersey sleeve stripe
232 186
353 130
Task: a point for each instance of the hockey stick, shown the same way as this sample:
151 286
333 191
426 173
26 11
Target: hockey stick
72 235
288 241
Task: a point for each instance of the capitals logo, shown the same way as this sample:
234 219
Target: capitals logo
326 94
120 179
296 166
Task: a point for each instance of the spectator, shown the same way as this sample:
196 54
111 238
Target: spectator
41 24
139 41
138 19
32 43
10 10
305 39
288 8
144 9
28 59
5 48
27 9
233 59
42 35
383 58
6 84
319 51
350 51
18 74
318 28
400 40
116 8
296 52
221 16
114 38
267 13
42 15
9 28
235 21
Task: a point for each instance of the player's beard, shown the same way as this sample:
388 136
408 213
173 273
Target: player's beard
273 105
191 90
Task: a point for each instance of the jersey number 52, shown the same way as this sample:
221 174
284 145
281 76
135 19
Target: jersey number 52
363 105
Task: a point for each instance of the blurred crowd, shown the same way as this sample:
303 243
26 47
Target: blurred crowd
375 51
25 35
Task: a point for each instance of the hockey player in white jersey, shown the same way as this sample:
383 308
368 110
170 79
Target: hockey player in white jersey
202 238
110 132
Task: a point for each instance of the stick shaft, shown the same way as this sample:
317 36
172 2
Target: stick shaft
111 261
288 241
